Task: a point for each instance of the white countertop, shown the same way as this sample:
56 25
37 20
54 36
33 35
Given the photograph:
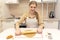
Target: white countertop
46 19
54 32
51 19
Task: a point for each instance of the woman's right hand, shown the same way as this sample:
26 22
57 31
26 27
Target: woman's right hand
17 32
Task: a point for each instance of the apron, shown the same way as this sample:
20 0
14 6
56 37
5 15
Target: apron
31 22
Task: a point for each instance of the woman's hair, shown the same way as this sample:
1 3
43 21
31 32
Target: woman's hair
33 2
37 16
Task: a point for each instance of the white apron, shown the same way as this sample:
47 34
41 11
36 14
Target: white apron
31 22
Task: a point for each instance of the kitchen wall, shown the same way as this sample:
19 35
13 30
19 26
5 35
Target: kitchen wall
4 11
7 10
21 8
47 9
57 12
57 9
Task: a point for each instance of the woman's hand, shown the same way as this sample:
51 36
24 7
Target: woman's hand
17 32
39 30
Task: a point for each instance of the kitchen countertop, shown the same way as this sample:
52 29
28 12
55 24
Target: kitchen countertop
51 19
43 19
11 31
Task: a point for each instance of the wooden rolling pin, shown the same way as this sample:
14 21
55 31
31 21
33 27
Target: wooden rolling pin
28 32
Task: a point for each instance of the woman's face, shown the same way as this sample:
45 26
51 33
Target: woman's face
32 8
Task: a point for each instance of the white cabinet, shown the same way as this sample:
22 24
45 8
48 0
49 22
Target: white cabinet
0 26
49 0
36 0
44 1
7 24
11 1
51 24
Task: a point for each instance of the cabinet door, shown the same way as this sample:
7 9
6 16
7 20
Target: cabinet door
36 0
11 1
7 24
51 24
49 0
0 26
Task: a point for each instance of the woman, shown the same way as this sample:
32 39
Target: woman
33 19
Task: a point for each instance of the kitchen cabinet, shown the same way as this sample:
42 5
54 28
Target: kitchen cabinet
36 0
49 1
51 24
0 26
9 23
11 1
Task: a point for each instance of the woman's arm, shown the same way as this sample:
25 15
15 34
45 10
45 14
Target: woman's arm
41 23
20 21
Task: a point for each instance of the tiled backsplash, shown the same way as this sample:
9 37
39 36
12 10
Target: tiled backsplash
18 9
21 8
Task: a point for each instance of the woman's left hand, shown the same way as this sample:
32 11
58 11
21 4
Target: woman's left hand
39 30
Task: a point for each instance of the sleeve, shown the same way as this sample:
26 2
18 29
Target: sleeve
20 21
40 22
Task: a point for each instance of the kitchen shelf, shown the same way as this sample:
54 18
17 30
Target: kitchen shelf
49 1
11 2
39 1
45 1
